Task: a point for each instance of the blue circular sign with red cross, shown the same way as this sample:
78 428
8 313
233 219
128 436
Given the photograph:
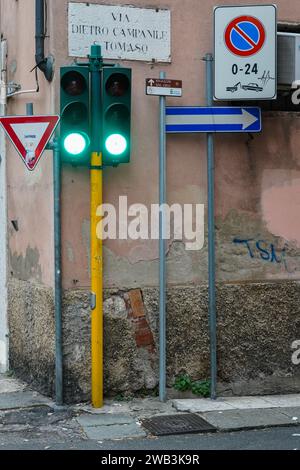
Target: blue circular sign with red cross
245 36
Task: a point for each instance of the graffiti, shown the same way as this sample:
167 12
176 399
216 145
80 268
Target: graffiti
263 250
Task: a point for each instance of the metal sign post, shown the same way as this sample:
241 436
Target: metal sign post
55 147
210 120
162 87
162 246
211 235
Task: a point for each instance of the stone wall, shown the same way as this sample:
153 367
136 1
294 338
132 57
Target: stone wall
31 334
257 324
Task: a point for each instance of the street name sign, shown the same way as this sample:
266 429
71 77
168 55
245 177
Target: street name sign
30 135
163 87
245 52
212 119
124 32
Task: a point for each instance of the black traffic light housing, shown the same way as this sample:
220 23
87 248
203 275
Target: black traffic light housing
116 115
75 123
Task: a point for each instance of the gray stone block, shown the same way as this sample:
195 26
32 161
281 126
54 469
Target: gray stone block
116 431
107 419
24 399
292 412
246 419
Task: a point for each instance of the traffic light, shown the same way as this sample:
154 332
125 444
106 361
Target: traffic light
116 115
75 115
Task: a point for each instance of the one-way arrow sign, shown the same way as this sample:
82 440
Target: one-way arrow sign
212 119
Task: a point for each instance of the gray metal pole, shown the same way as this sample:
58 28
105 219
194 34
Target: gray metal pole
95 67
58 277
29 109
211 235
162 246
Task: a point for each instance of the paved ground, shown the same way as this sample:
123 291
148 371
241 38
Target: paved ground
278 438
30 421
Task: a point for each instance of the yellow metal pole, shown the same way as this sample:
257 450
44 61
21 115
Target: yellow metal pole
96 283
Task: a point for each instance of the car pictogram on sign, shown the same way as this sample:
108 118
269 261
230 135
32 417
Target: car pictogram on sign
252 87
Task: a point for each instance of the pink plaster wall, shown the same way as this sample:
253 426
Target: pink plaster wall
30 198
258 180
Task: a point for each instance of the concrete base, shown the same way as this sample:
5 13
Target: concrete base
257 324
247 419
110 426
3 356
202 405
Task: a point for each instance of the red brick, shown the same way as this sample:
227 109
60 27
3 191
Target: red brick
143 333
141 323
144 338
136 302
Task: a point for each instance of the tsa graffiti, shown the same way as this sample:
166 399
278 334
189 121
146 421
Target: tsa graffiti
263 250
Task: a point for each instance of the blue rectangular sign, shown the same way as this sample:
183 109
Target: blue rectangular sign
182 119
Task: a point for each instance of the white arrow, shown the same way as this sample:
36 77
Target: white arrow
151 82
245 119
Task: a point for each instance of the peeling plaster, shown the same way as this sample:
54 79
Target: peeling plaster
281 203
70 252
26 267
85 231
180 267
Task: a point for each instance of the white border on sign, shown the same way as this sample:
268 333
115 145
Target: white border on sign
127 5
276 61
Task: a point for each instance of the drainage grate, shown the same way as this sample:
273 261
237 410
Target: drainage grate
177 424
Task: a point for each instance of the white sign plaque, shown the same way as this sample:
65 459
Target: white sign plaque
123 32
163 87
245 52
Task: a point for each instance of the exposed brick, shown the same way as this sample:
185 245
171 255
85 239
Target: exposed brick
141 323
136 311
136 302
144 338
143 333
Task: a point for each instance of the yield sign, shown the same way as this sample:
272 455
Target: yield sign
30 135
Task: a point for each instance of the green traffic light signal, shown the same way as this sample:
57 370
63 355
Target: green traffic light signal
76 143
116 144
116 115
109 123
75 115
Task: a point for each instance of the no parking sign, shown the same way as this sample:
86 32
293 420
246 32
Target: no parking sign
245 52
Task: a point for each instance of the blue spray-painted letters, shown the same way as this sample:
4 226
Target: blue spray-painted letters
263 250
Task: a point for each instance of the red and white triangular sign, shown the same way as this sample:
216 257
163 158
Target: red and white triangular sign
30 135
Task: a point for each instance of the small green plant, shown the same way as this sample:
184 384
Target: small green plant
201 388
120 397
183 383
198 387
